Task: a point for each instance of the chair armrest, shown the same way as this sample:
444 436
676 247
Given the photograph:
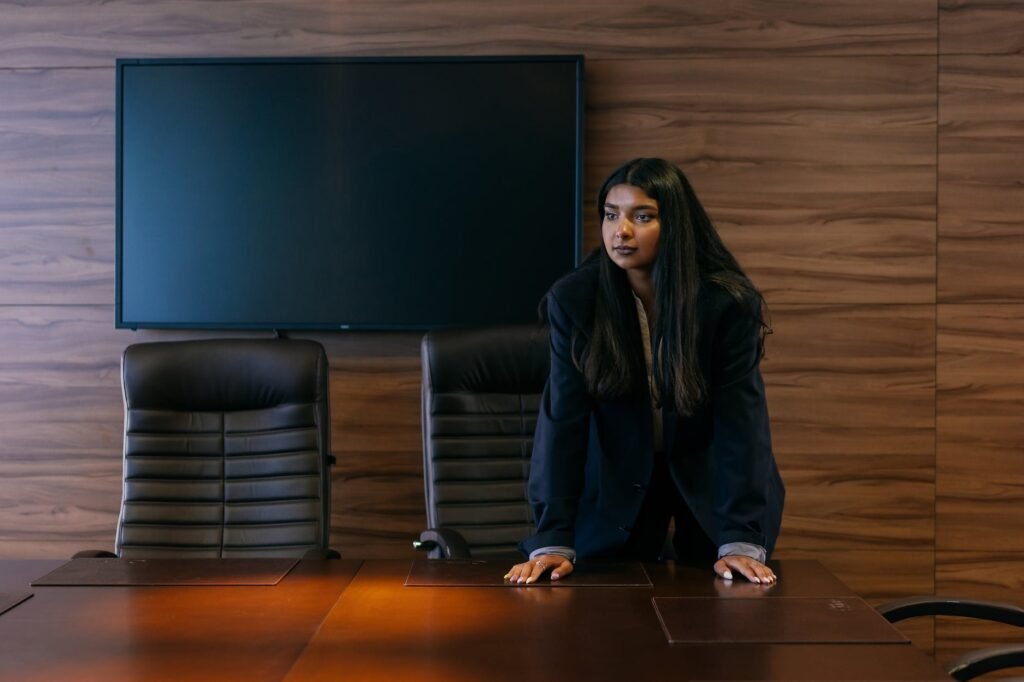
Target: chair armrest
94 554
912 607
982 661
322 554
443 543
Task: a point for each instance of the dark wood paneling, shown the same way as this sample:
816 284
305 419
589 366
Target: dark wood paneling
850 393
981 27
996 575
57 186
980 482
820 173
981 180
378 500
61 420
87 34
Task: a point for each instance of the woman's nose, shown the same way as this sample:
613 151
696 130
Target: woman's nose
625 230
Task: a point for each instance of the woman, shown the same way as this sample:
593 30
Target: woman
654 410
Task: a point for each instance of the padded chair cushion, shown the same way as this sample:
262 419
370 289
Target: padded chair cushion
225 449
481 394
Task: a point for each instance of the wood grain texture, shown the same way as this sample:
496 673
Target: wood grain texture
850 391
979 483
981 27
981 181
820 173
992 574
60 416
57 186
980 432
81 33
378 498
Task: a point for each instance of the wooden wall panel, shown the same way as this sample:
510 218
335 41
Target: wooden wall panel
981 180
819 172
851 399
57 187
61 420
378 505
980 483
82 33
981 27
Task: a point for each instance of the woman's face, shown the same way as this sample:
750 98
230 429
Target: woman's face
631 228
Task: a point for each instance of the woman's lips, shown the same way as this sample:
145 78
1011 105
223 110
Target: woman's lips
624 250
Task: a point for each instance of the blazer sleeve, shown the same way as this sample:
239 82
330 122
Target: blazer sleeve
560 441
741 445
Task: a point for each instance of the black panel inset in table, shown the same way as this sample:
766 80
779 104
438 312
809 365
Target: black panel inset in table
786 620
9 601
181 572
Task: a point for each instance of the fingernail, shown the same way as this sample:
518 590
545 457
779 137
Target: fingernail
727 575
530 580
756 579
506 576
554 576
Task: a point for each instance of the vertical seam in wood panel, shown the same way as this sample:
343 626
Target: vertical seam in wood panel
935 340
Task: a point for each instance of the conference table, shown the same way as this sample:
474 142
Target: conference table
162 619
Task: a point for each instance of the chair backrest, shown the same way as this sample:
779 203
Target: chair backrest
226 449
481 393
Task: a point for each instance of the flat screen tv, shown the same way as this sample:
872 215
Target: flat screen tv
350 193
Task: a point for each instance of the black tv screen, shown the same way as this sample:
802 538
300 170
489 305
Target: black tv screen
380 193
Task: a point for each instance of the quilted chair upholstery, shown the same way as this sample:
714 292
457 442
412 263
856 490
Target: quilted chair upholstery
226 449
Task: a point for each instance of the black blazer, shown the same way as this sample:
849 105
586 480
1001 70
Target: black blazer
592 460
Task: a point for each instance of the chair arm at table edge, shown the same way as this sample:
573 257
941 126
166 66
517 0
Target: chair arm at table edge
982 661
443 543
912 607
94 554
319 553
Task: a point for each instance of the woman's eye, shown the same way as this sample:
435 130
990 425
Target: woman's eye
644 218
610 216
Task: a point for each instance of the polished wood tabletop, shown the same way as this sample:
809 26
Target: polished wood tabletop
380 629
351 620
163 632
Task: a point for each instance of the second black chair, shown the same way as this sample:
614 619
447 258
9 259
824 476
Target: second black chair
481 394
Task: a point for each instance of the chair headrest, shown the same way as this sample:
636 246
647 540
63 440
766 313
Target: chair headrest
223 374
497 359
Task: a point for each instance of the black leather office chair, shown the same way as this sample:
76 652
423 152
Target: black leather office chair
974 663
226 450
481 394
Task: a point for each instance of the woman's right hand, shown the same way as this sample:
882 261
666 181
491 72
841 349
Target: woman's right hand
530 571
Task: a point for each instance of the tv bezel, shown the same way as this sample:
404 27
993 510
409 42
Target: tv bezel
121 63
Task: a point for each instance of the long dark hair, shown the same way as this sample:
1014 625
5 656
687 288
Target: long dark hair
691 255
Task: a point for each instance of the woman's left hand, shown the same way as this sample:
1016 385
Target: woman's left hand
751 569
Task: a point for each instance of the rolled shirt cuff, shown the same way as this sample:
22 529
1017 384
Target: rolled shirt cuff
567 552
742 549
